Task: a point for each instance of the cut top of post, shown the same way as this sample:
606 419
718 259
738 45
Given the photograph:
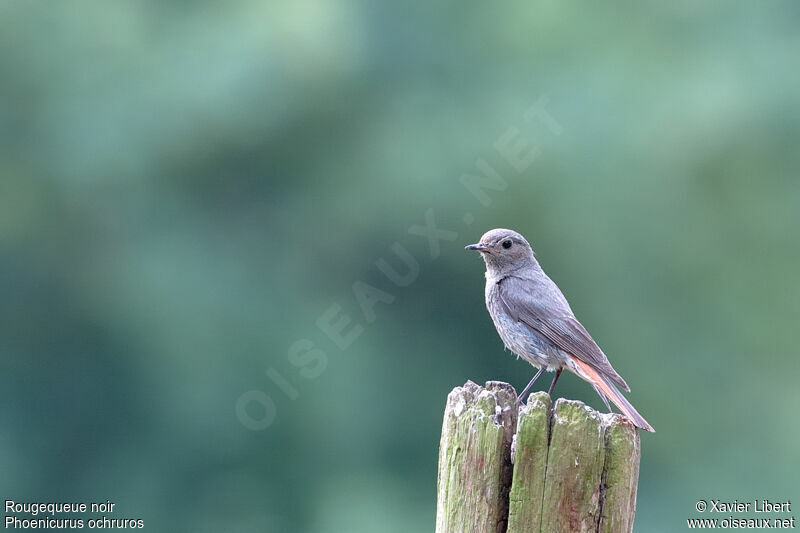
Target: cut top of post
537 467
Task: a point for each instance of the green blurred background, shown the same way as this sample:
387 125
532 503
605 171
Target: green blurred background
185 188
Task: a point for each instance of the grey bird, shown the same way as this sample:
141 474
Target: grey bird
535 321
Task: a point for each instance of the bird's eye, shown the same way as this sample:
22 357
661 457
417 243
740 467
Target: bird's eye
506 244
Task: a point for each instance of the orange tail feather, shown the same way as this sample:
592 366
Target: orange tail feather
610 391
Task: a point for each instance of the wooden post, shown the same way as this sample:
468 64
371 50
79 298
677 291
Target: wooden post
574 469
475 458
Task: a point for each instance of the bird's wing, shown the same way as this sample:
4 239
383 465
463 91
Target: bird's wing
541 306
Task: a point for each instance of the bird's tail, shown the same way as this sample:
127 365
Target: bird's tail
605 387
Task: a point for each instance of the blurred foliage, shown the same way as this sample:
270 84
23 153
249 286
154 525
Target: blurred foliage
186 187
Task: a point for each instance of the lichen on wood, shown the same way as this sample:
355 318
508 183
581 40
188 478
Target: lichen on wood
575 458
574 469
620 475
529 455
475 458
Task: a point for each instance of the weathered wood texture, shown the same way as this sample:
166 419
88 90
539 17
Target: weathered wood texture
475 458
574 469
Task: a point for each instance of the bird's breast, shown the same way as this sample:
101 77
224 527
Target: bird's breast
518 337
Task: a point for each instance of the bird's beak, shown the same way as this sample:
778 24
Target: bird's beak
478 247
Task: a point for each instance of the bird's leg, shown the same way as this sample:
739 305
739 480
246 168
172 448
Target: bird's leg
529 385
553 384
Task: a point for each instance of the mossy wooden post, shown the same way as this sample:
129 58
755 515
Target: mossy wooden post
574 469
475 458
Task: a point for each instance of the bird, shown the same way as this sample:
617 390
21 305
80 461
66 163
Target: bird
534 321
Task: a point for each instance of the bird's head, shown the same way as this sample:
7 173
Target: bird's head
504 251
